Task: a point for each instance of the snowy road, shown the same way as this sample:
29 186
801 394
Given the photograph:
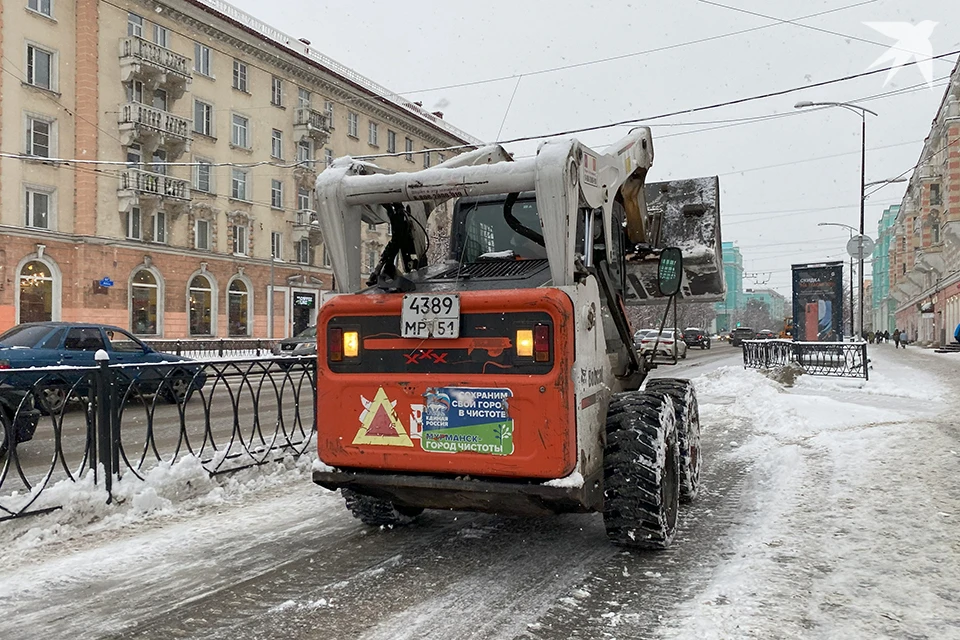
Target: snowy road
830 510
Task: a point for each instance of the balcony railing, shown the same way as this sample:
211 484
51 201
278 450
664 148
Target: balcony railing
306 218
311 123
154 184
155 55
169 125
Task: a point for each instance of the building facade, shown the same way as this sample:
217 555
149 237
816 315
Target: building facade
924 269
160 159
775 303
884 305
734 301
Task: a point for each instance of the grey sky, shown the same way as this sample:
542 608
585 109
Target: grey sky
771 212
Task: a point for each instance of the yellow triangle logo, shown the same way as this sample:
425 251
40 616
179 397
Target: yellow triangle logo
380 425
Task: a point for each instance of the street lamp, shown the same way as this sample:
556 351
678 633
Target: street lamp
863 111
852 230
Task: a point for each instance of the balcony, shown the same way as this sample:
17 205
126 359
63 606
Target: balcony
310 123
141 123
154 65
307 219
137 185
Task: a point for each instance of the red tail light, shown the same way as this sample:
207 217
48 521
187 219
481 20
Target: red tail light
335 344
5 364
541 343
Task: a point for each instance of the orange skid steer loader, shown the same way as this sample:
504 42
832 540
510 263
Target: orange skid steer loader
504 379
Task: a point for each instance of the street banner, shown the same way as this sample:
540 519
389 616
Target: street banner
818 302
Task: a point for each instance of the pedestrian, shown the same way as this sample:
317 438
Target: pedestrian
896 338
903 338
956 333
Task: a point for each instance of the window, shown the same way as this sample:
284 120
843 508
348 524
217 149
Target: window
160 227
201 59
276 144
238 184
240 75
38 205
276 245
203 118
44 7
440 158
935 194
303 251
276 92
83 339
159 162
134 91
408 149
326 257
371 226
372 134
134 25
328 156
276 194
39 67
238 308
143 303
391 141
36 292
203 176
328 109
201 306
38 137
201 233
134 156
303 199
371 260
304 151
426 159
239 131
240 240
160 99
352 124
133 224
303 98
161 35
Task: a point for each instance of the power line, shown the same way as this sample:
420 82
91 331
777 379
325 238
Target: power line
624 56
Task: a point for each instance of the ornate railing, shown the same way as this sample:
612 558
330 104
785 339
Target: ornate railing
156 184
113 421
155 54
164 121
305 116
843 359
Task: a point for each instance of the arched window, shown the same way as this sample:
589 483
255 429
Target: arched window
37 294
238 308
201 306
144 303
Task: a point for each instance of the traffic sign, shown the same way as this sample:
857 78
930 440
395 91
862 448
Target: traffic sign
860 247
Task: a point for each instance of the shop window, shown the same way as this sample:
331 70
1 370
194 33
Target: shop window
144 296
201 306
36 292
238 308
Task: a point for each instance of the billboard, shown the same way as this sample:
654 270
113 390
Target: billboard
818 301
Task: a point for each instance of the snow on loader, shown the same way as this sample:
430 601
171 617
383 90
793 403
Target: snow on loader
505 379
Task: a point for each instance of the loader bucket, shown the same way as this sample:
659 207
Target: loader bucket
684 214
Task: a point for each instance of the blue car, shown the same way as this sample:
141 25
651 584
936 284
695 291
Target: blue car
72 344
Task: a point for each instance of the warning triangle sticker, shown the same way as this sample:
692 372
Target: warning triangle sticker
380 425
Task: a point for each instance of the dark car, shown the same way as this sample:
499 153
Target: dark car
696 337
738 335
67 344
302 344
766 334
18 415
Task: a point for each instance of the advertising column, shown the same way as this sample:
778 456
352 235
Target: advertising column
818 302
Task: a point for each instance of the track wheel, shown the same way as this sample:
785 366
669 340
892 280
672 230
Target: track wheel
641 471
687 413
377 512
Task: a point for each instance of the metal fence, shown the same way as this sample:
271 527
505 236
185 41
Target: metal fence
121 420
842 359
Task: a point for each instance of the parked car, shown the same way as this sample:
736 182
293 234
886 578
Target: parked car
696 337
302 344
55 344
18 415
738 335
766 334
669 344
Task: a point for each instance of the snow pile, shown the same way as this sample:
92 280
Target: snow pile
166 491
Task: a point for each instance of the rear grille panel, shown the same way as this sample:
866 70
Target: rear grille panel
492 269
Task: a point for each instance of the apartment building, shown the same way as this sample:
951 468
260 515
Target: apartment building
159 157
924 257
883 304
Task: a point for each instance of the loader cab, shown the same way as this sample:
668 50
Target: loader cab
482 231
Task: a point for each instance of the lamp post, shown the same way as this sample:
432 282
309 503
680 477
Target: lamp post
862 111
852 230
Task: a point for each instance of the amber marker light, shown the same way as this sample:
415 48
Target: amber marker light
351 344
525 343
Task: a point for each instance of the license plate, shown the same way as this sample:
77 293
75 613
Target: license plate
430 316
